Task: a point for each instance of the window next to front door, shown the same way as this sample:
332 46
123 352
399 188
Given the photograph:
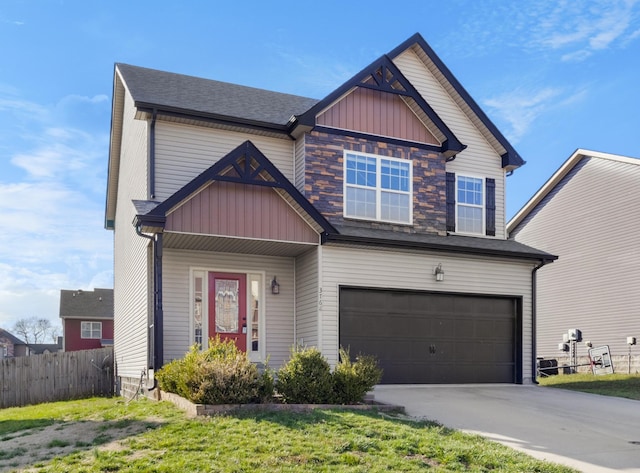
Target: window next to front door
228 305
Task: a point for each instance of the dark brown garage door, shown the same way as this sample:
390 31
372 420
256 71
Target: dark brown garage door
421 337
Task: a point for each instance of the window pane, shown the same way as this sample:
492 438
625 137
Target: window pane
361 170
469 190
394 207
197 307
361 203
255 313
469 219
394 175
227 305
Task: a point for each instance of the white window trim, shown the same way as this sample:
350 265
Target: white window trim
255 357
90 330
378 188
483 207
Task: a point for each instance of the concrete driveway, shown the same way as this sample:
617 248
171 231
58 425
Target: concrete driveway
585 431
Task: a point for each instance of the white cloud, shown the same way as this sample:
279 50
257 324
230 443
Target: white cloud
582 30
574 29
64 154
520 108
51 203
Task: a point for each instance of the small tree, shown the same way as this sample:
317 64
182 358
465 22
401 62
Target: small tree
35 330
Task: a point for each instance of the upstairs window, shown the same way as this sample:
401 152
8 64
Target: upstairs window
471 205
377 188
91 330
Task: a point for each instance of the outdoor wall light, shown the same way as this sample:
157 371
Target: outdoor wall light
439 272
275 287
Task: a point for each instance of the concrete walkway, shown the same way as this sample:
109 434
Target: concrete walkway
585 431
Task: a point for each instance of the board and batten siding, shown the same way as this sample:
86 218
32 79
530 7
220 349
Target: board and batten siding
376 113
307 298
184 151
590 221
279 309
479 158
379 268
131 284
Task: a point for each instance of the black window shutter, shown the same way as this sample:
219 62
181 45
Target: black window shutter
491 207
451 202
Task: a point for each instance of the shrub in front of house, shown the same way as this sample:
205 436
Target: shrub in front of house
221 374
353 379
305 378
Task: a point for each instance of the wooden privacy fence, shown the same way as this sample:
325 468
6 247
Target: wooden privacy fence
56 377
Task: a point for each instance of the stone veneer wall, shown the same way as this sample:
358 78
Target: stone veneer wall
324 169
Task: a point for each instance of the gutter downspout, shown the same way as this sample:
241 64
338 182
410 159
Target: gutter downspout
152 155
534 308
157 326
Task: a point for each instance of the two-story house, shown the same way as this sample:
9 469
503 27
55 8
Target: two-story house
87 318
373 219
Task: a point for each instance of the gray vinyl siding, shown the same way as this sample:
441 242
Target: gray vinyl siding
130 251
413 270
307 298
590 221
299 164
184 151
479 158
278 309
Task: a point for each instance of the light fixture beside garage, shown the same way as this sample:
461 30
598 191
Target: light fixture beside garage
275 287
439 272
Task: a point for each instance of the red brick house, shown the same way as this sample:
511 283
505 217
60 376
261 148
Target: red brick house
87 318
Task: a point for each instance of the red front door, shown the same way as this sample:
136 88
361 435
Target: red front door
228 307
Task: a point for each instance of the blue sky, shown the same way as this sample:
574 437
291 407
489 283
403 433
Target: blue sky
552 75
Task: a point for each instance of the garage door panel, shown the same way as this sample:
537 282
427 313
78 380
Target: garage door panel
431 338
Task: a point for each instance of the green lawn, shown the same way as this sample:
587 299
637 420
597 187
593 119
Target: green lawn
620 385
101 435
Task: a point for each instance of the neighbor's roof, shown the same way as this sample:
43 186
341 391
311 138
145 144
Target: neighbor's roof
96 304
11 337
553 181
190 95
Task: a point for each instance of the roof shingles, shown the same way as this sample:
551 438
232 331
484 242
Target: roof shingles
178 92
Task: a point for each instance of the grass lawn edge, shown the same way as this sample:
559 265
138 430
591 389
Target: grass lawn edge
195 410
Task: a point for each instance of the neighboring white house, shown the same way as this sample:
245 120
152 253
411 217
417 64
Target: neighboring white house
587 213
373 218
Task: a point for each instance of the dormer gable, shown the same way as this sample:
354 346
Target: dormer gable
380 101
245 165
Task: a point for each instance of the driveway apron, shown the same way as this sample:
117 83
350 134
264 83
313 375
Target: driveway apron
588 432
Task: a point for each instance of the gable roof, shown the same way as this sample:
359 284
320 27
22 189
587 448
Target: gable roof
555 179
96 304
181 94
276 114
510 157
230 169
10 337
383 75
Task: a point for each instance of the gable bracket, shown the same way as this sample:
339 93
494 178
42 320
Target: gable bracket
248 152
385 77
